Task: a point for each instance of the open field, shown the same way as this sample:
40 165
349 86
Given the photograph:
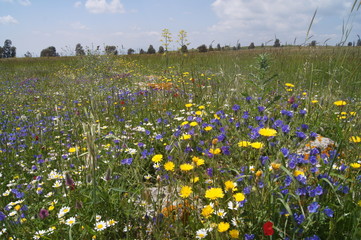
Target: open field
249 144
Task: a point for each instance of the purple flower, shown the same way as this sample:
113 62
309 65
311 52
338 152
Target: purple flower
301 135
2 216
210 172
127 161
313 207
299 218
261 108
249 236
236 107
285 152
328 211
314 237
302 112
43 213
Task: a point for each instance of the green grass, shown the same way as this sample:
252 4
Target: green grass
82 132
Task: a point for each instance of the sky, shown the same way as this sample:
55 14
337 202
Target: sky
33 25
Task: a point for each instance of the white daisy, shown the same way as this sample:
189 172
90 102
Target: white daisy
63 211
201 233
100 226
70 221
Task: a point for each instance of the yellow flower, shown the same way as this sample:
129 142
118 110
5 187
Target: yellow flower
72 149
193 124
355 139
214 193
234 233
186 167
198 113
185 192
289 85
157 158
359 203
257 145
259 173
188 105
201 107
314 101
198 161
239 197
208 128
355 165
184 123
244 144
195 179
207 211
275 166
298 172
17 207
185 137
229 185
169 166
223 226
267 132
340 103
215 151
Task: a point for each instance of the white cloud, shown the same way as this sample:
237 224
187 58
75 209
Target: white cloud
263 19
25 2
77 4
78 26
7 20
103 6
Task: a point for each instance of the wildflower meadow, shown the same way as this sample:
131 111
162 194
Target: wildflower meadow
249 144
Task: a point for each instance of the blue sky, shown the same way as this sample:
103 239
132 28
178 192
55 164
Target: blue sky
33 25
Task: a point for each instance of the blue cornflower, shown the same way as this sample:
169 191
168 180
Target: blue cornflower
127 161
313 160
328 211
301 135
313 207
286 128
248 98
225 150
263 159
299 218
277 124
249 236
301 191
287 181
261 108
302 112
2 216
236 107
210 172
285 152
304 127
314 237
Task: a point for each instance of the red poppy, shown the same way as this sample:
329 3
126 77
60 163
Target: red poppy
267 228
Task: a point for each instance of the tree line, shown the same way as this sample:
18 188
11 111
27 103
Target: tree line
9 51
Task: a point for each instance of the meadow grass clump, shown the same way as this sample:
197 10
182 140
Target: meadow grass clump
211 146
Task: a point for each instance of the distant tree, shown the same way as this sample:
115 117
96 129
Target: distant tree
8 50
313 43
202 48
130 51
79 51
13 51
1 52
167 38
277 43
184 49
219 47
349 44
28 55
141 51
161 49
262 45
111 50
151 49
358 41
49 52
210 48
251 46
238 46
